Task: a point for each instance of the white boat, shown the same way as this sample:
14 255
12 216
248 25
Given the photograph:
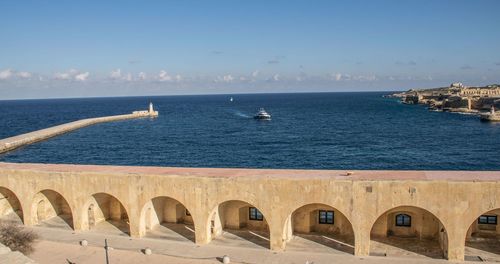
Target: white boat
231 99
262 115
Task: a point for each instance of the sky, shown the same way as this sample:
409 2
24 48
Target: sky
58 49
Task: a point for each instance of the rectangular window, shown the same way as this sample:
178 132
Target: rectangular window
188 213
403 220
487 220
255 214
326 217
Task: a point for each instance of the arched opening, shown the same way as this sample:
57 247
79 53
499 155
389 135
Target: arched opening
233 222
10 207
166 218
50 209
482 242
408 231
104 213
319 228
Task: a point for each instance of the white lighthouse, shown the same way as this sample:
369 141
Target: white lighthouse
151 110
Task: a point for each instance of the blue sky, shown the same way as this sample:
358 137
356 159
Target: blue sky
117 48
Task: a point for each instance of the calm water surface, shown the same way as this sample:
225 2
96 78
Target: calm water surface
310 131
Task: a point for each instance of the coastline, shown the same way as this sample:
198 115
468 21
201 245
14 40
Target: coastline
457 98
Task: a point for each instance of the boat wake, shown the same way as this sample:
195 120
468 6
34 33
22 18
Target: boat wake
240 114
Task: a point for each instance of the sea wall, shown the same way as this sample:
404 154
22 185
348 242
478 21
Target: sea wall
14 142
443 204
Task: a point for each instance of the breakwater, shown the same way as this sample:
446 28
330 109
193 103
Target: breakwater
14 142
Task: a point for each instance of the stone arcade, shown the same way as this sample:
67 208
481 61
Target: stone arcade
435 213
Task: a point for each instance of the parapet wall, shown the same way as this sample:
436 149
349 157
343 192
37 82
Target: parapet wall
455 198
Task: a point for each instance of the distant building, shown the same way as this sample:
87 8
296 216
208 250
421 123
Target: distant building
457 85
489 91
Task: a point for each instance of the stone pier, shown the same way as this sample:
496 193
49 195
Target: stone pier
14 142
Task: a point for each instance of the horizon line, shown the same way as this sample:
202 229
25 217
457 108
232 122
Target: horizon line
201 94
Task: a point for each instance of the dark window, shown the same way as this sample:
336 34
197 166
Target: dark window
403 220
487 220
255 214
188 213
325 217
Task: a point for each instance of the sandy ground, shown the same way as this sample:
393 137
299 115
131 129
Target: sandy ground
48 252
58 245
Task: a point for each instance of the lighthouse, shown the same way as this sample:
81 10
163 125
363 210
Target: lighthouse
151 110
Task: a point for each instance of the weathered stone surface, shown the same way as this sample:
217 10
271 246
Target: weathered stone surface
443 204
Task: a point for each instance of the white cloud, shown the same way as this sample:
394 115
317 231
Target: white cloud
142 76
338 76
82 76
164 77
348 77
116 74
368 78
24 75
62 76
228 78
72 74
341 77
225 78
128 77
6 74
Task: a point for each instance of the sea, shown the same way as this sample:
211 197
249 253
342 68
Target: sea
348 131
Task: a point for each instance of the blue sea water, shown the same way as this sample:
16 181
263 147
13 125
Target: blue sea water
307 131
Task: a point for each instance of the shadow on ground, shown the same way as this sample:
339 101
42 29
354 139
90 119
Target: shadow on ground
172 231
483 248
60 221
338 243
403 246
259 238
112 227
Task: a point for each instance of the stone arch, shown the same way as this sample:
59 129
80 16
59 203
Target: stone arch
163 214
322 224
103 212
482 237
50 208
10 206
425 235
241 219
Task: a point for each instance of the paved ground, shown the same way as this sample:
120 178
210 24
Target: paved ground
487 249
171 242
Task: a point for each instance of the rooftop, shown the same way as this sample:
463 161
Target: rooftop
260 173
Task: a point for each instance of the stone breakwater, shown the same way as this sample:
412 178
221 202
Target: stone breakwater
14 142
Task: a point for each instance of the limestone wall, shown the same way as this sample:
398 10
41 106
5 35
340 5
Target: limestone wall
445 203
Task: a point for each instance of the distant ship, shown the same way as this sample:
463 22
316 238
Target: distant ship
262 115
491 116
231 99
